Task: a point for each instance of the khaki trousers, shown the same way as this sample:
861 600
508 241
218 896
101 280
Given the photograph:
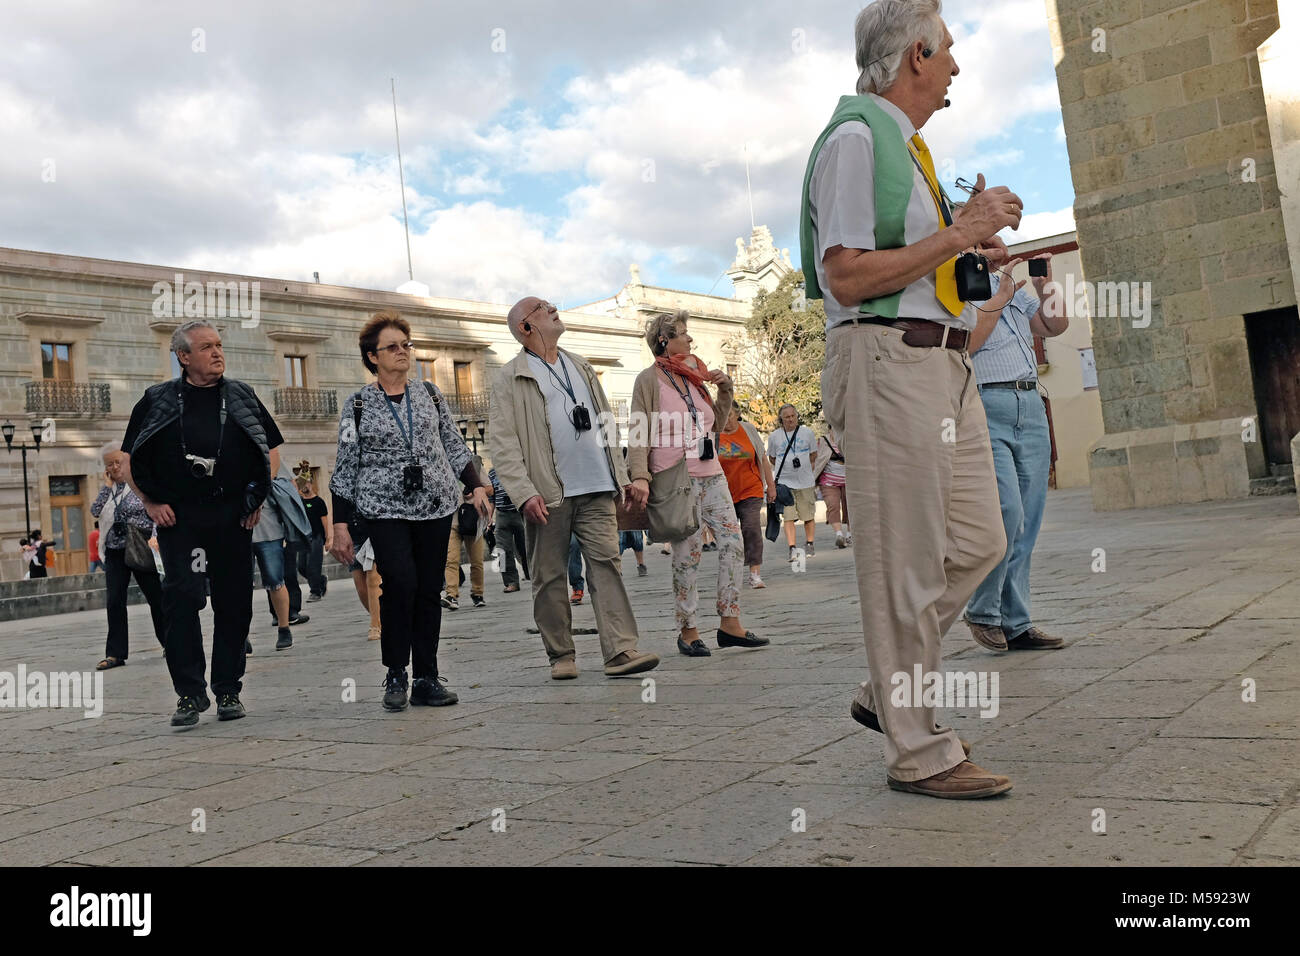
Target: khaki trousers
474 552
594 520
927 525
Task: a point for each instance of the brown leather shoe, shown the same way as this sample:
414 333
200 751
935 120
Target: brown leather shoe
631 662
566 668
965 781
986 635
1035 640
869 720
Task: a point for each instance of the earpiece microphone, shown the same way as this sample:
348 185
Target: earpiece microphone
927 53
946 102
527 327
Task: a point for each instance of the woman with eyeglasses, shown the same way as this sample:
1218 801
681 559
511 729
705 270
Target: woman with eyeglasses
682 420
398 459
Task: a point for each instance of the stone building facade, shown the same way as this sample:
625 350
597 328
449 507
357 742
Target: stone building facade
1173 133
81 339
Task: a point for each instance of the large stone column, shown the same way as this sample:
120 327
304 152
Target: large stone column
1176 186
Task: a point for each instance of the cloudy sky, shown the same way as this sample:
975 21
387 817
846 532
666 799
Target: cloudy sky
547 145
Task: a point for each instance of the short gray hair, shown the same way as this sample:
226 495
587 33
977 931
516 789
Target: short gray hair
109 447
181 337
885 30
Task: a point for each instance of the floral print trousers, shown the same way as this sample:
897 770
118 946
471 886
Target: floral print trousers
719 515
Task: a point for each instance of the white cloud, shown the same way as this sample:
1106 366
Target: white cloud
1040 224
276 158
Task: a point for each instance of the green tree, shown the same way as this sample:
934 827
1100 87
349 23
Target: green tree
782 351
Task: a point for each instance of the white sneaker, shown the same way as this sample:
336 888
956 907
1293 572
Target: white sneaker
755 581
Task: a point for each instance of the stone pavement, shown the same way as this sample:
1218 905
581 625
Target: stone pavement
1141 717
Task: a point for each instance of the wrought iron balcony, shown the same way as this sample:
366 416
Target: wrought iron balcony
306 403
468 404
51 397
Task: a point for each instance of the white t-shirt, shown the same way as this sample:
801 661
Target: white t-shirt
842 197
804 444
579 456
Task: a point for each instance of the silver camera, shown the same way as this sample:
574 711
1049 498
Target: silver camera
201 467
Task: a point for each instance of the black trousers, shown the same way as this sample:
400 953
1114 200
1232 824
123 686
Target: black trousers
510 534
226 564
117 580
411 557
314 557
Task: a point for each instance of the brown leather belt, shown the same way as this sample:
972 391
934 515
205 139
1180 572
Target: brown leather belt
920 333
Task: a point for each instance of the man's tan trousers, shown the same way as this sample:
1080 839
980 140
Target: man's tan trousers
927 527
594 519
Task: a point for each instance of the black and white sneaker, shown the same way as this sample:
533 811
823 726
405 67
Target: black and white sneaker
395 689
284 639
188 710
312 598
809 549
429 692
229 707
298 618
478 600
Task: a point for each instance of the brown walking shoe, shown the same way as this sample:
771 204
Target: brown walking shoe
869 720
566 668
631 662
965 781
986 635
1035 640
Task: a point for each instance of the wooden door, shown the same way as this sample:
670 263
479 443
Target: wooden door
68 525
1273 340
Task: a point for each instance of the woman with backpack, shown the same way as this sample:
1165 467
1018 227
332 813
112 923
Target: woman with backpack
398 460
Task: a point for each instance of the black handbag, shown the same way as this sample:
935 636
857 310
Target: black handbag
138 556
773 522
467 520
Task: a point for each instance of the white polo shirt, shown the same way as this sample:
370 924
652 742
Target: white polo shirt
842 200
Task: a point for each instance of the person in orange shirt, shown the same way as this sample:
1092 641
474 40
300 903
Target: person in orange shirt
749 476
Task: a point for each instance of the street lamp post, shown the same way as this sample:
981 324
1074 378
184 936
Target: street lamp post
479 426
7 429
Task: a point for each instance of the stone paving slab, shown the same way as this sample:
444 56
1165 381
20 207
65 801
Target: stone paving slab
746 757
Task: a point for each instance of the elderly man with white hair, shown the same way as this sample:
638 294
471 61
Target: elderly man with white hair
880 237
120 510
554 455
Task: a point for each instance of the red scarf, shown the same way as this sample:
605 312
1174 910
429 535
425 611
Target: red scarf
676 364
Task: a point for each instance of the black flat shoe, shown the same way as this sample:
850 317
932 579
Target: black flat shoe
749 640
695 648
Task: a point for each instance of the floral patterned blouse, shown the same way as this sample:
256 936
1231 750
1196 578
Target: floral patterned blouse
128 507
369 481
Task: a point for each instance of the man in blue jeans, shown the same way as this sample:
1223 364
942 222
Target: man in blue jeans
1006 372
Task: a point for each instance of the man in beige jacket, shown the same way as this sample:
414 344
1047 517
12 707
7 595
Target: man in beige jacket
555 451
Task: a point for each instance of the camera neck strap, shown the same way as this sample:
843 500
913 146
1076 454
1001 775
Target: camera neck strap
408 433
566 383
180 402
789 443
686 397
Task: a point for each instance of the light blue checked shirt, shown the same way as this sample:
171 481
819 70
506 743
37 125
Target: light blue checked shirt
1008 353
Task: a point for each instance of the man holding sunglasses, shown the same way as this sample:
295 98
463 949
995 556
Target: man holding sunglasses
555 450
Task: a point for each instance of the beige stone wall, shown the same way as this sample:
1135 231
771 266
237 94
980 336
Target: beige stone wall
1175 185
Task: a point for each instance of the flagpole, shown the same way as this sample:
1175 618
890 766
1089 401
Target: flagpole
406 226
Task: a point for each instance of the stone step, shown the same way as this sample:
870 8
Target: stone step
20 600
1276 485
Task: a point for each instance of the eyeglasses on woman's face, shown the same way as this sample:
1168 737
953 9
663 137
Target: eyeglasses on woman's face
397 348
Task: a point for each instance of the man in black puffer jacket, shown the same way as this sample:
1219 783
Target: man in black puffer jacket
201 451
